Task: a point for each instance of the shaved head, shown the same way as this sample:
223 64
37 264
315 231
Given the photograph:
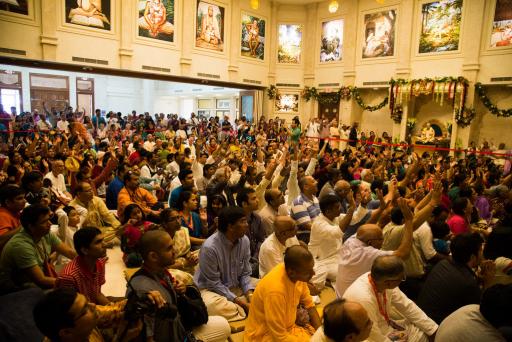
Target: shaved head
282 223
296 257
152 241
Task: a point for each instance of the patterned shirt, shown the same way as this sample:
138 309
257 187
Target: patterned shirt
305 210
77 276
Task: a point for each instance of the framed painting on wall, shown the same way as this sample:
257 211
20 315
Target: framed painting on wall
331 43
288 103
156 19
92 13
440 26
14 6
289 44
210 26
379 34
501 34
252 42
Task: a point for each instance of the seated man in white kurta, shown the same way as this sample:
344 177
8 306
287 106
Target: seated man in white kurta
326 238
273 248
377 291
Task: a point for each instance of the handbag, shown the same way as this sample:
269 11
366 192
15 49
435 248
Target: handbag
192 309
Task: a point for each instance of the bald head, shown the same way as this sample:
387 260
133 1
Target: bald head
342 188
368 232
152 241
283 223
344 320
387 267
296 257
342 185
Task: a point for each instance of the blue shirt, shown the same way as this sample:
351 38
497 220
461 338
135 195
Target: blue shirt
223 265
113 190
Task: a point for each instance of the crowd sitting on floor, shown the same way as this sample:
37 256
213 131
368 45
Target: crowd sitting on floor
221 222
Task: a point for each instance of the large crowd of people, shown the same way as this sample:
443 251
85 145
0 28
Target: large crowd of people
221 221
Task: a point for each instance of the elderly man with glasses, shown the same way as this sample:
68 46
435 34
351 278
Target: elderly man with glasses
395 317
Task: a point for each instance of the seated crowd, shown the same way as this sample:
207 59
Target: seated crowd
220 223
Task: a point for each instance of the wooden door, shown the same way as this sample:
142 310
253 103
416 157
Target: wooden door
52 98
328 111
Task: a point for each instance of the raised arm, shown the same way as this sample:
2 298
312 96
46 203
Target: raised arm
404 249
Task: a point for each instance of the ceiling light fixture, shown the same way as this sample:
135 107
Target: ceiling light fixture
255 4
333 6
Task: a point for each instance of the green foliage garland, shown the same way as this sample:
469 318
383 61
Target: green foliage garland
360 102
464 116
482 94
343 93
272 92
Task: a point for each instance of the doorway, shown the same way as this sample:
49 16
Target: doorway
329 110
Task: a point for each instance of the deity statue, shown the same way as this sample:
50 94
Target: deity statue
427 134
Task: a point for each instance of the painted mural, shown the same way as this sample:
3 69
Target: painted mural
379 34
156 19
289 44
331 44
440 26
253 37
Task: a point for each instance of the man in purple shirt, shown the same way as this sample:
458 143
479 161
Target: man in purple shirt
224 272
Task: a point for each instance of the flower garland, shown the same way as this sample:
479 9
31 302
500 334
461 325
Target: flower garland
450 88
482 94
360 102
464 116
411 123
272 92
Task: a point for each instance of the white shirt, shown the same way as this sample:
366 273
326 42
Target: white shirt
149 145
63 125
361 291
356 258
58 183
272 252
173 168
268 216
325 239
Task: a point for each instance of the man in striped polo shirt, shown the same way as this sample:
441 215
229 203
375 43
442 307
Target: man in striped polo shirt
305 207
86 272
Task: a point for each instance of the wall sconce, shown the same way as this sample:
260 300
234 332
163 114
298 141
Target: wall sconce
255 4
333 6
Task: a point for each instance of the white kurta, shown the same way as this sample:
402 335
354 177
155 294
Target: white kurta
325 243
416 323
272 252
